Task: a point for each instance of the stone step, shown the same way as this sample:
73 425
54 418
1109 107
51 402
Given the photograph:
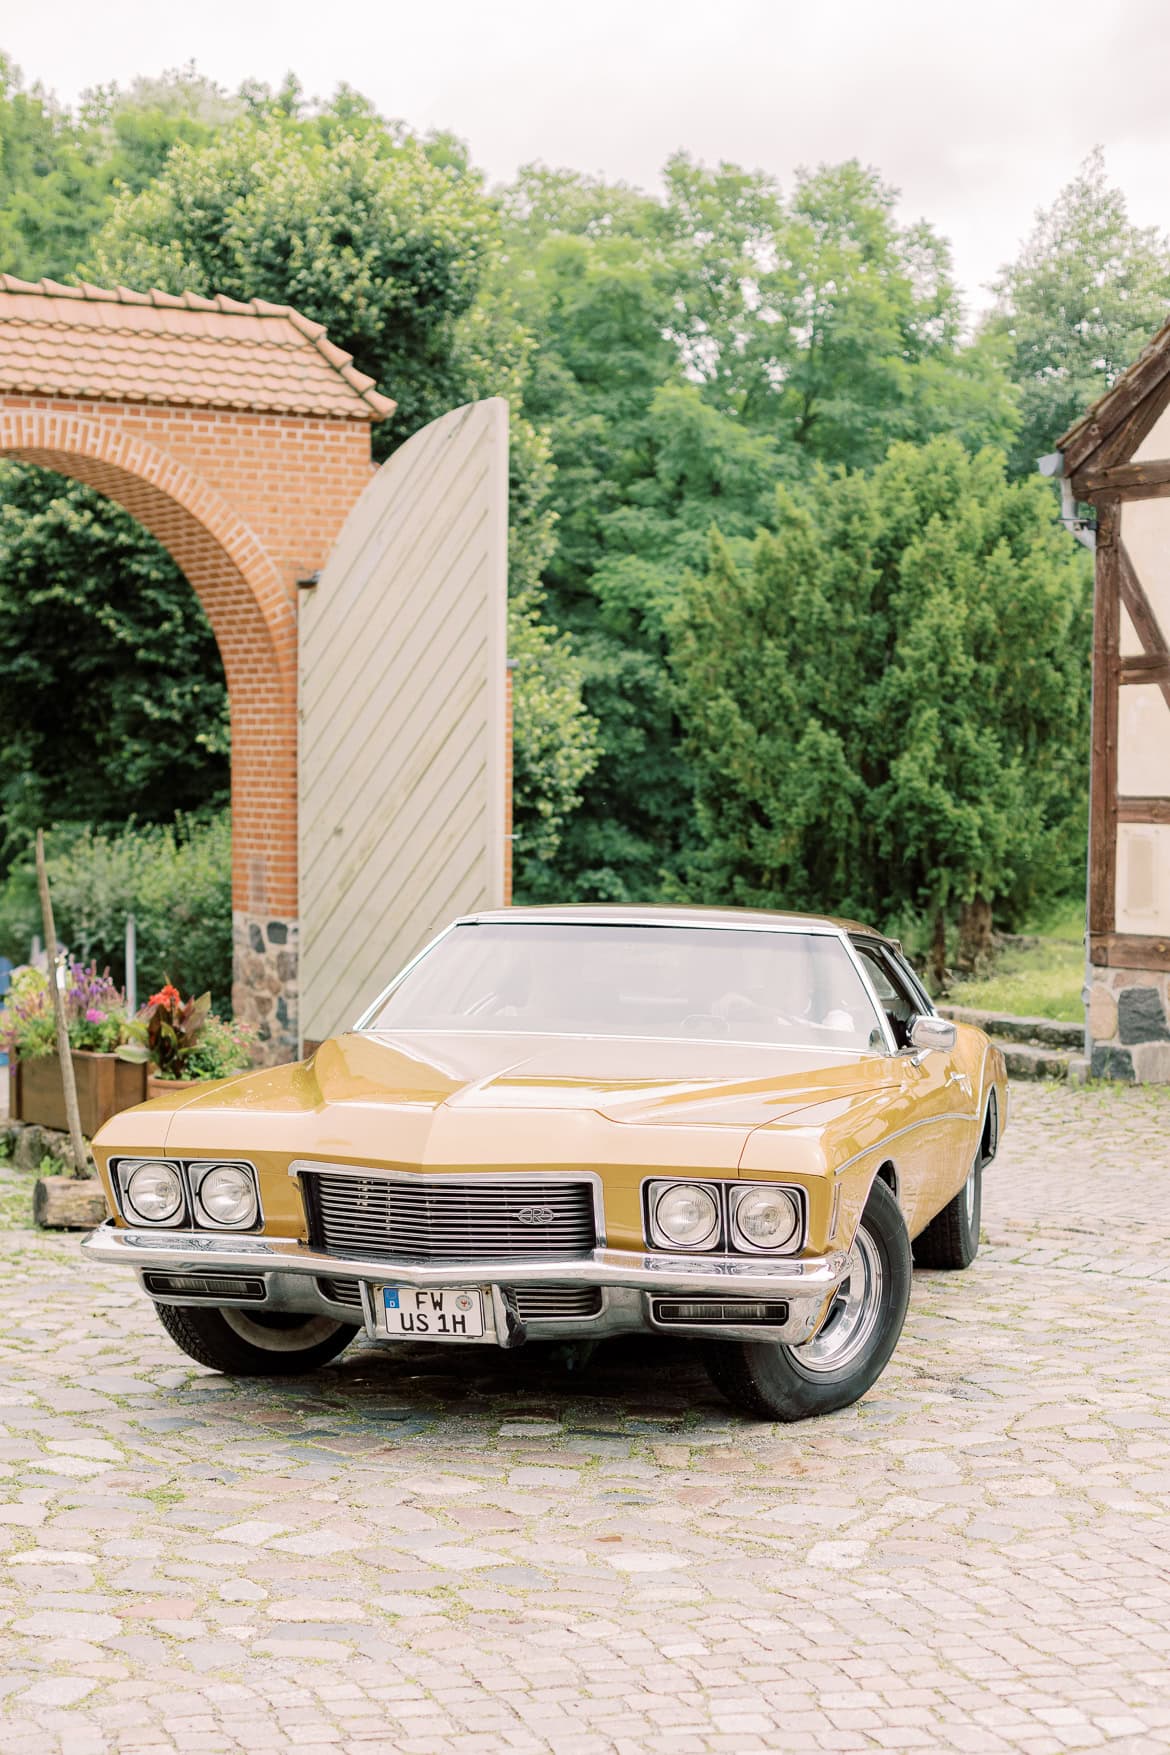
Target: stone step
1033 1060
1046 1032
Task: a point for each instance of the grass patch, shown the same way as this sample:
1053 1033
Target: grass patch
16 1192
1036 975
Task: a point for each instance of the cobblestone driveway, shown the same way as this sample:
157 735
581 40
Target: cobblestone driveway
437 1551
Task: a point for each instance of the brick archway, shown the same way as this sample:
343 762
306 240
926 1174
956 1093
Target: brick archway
239 437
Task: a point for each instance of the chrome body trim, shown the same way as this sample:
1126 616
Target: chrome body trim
627 1278
866 980
879 1150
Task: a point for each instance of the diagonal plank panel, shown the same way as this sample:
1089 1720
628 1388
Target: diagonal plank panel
402 657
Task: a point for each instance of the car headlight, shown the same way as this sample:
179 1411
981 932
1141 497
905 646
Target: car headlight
152 1190
226 1196
684 1215
765 1218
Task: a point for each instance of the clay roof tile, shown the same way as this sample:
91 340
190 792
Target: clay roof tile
120 344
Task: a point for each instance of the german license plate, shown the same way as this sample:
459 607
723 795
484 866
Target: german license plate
453 1314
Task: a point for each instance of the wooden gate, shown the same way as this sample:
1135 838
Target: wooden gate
402 679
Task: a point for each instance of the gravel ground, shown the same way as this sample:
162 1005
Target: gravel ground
448 1550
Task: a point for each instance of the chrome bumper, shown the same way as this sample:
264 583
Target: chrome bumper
629 1280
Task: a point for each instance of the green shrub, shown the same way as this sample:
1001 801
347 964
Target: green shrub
176 881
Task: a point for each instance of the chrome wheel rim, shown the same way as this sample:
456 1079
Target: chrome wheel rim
969 1193
853 1315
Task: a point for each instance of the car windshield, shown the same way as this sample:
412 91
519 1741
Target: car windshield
790 988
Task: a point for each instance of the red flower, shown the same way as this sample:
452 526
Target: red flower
168 996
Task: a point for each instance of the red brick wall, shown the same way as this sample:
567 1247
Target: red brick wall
246 504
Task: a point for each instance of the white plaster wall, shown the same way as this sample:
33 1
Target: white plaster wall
1155 447
1145 530
1143 877
1143 742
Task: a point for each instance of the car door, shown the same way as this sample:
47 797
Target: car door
932 1125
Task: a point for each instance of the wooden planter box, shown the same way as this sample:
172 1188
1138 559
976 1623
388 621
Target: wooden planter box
156 1087
105 1084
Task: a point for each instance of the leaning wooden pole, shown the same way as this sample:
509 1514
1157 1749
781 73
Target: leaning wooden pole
68 1082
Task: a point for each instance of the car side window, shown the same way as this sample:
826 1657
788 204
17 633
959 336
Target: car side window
910 981
895 996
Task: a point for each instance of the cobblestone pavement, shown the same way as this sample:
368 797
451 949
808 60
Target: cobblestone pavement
443 1551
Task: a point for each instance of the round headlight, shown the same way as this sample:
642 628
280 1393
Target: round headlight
227 1196
765 1218
686 1214
152 1192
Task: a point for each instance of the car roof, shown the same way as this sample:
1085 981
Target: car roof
622 914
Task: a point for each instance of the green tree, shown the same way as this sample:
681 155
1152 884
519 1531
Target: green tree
134 130
390 242
52 190
112 696
61 170
359 231
822 320
886 698
693 350
1077 306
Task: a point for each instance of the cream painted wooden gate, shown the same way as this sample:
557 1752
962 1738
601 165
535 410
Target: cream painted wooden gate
402 675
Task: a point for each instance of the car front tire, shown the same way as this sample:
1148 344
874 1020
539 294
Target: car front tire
254 1343
853 1345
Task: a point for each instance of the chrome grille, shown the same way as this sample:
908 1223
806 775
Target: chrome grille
555 1303
342 1292
441 1220
533 1303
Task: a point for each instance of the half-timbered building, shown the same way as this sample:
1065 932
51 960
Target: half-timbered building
1117 460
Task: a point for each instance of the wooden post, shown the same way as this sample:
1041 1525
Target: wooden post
64 1053
131 965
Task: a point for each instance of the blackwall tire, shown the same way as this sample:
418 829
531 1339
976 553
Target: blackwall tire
243 1344
853 1346
951 1240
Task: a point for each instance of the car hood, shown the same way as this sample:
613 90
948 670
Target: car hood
438 1098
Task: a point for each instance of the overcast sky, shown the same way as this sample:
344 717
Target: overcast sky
978 113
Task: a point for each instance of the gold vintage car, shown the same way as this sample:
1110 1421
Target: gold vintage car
573 1123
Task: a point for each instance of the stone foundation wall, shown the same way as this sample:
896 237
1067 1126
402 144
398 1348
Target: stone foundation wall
266 984
1129 1026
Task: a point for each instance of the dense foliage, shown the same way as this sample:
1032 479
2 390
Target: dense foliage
174 878
886 698
783 627
359 231
113 695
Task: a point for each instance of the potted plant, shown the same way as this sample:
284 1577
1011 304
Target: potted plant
183 1042
98 1026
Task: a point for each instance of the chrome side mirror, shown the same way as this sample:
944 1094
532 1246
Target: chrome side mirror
927 1033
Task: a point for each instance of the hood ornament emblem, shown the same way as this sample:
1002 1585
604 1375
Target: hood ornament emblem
535 1216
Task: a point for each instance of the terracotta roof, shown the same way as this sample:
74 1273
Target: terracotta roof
1118 402
117 345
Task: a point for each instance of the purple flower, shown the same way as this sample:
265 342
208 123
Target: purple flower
94 1016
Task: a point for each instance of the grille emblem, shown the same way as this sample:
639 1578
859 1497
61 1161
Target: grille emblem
535 1216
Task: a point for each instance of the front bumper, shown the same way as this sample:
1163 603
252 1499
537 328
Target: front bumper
630 1282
